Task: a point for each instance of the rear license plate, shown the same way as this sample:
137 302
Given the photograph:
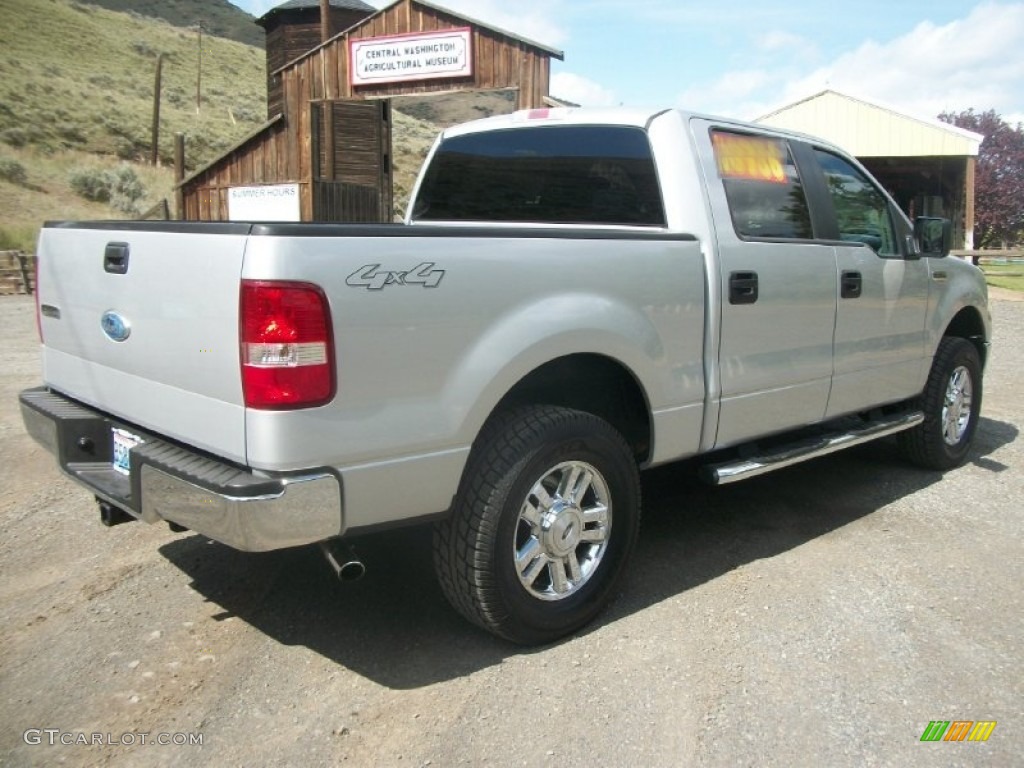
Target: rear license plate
123 444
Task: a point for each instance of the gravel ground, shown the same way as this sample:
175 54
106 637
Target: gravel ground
818 616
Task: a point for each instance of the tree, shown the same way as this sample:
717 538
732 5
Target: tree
999 178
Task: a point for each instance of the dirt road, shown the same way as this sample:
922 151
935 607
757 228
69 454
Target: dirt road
819 616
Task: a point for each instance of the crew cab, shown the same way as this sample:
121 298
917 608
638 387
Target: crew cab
575 296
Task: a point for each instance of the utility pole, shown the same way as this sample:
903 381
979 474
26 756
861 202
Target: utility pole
155 156
199 70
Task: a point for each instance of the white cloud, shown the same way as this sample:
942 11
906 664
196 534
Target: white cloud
777 40
972 62
730 94
580 90
532 19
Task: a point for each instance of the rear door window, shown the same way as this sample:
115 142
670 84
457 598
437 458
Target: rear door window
551 175
762 185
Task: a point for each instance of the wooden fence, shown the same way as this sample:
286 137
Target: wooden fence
17 272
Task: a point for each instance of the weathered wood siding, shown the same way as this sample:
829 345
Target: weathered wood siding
293 150
269 157
499 61
351 144
290 35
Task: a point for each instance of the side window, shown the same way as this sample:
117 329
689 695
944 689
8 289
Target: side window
862 211
765 194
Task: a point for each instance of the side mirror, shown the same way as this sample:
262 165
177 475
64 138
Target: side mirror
934 235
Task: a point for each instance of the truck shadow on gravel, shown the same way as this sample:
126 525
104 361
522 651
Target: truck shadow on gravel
395 628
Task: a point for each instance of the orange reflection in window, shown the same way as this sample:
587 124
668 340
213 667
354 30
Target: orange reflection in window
749 157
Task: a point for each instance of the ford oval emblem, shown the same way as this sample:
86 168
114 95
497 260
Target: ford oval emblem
115 327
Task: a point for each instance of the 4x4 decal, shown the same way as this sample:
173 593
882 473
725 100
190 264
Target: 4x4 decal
373 280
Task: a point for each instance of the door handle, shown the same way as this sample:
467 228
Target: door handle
742 287
850 285
115 258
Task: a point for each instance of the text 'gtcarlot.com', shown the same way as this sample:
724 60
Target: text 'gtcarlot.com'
55 736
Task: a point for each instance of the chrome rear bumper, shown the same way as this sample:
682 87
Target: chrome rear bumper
230 504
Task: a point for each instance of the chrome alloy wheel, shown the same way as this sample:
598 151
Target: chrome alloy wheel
563 530
956 407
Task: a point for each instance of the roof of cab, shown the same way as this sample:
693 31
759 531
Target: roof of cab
626 116
557 116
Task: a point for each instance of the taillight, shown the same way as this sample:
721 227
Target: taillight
35 290
287 354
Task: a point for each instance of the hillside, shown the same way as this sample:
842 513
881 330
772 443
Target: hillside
219 17
76 76
76 99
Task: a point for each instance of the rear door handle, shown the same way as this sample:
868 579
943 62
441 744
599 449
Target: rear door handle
851 284
115 258
742 287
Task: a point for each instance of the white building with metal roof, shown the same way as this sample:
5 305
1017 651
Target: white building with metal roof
927 165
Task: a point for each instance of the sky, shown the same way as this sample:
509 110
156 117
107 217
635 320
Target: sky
744 58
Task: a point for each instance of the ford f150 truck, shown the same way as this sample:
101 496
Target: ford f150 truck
574 296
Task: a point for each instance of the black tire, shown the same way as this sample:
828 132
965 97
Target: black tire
939 442
492 524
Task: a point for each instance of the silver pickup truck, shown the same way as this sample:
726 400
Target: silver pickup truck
575 296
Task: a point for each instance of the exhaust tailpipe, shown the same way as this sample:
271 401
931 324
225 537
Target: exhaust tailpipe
343 560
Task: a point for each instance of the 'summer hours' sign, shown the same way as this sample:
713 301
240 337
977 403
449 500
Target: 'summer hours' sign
428 56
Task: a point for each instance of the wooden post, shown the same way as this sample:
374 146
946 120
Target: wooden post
325 20
327 110
23 266
155 154
969 203
179 175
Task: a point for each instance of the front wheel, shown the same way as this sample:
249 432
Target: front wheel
545 519
951 402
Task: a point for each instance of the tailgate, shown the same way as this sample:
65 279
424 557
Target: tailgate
154 342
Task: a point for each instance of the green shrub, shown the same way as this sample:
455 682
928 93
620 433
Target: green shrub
70 132
120 187
91 183
127 189
247 114
143 48
14 137
102 81
13 171
125 149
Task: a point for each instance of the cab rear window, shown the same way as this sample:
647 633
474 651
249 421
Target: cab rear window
763 188
551 175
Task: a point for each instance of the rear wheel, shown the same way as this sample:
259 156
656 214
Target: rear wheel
951 402
545 519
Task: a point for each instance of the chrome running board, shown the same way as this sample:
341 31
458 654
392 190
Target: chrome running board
794 453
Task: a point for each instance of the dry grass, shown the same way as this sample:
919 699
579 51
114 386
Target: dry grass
75 76
76 90
47 195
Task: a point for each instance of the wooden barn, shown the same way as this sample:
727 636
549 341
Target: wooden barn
324 153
